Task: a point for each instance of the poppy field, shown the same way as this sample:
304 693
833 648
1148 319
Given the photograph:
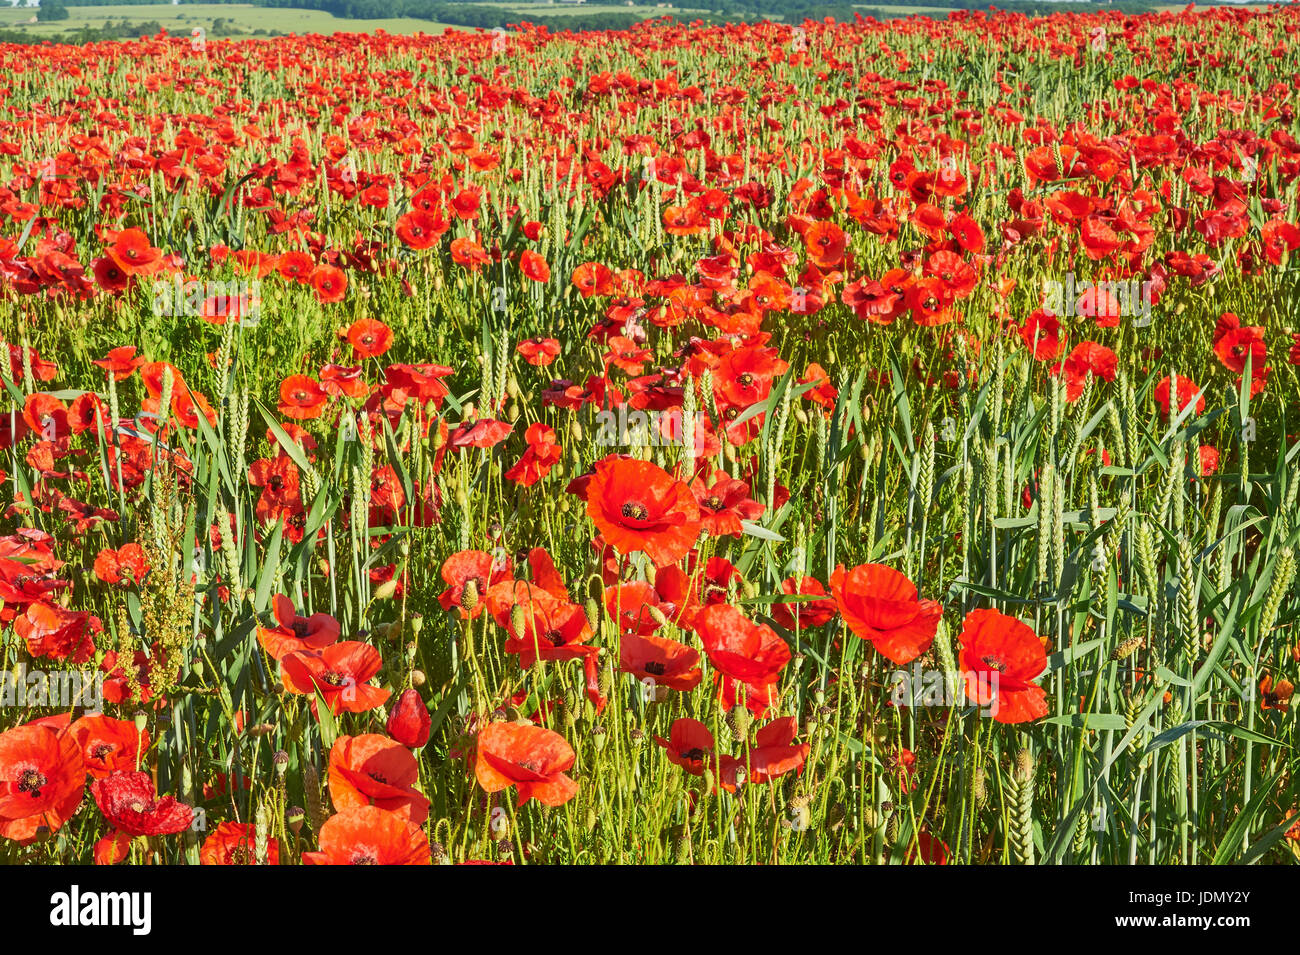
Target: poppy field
861 443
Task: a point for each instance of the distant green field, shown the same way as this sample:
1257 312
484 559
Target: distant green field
244 20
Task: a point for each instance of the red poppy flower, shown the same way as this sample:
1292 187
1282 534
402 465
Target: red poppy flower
724 502
543 454
881 605
1000 656
370 338
373 770
553 628
825 243
1041 334
666 662
775 752
293 633
301 398
638 506
132 253
120 362
592 278
295 266
1087 358
367 835
470 574
811 613
738 647
1187 391
531 758
235 843
1234 344
130 805
338 673
127 564
690 745
41 778
108 745
421 229
534 266
539 352
409 721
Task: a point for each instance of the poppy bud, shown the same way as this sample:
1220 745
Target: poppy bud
1024 766
386 590
469 596
517 620
409 722
738 722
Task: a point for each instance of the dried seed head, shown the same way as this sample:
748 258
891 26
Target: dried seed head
1126 649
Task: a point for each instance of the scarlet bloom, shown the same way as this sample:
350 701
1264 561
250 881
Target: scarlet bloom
131 806
725 502
41 779
368 835
127 564
329 282
775 752
738 647
292 632
690 745
539 351
1234 344
881 605
132 253
1000 656
1087 358
534 266
409 722
531 758
825 242
338 673
666 662
1041 333
543 454
553 628
638 506
108 745
592 278
373 770
302 398
811 613
120 362
470 574
1187 391
235 843
370 338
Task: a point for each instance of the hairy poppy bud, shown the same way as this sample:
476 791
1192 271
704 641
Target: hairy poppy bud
409 722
